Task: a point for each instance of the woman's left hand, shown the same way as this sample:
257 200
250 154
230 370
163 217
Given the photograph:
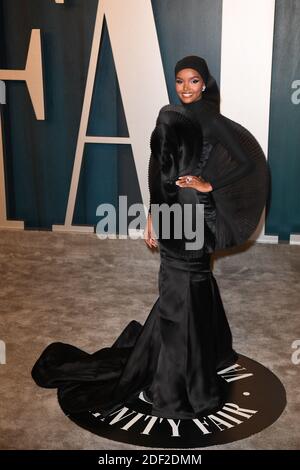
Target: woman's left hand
195 182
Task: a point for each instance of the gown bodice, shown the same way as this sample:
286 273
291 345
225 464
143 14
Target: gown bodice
179 148
205 143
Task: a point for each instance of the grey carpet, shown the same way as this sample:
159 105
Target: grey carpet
81 290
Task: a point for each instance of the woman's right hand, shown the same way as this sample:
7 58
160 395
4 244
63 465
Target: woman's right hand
149 234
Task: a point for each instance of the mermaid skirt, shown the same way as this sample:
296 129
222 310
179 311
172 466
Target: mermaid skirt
173 358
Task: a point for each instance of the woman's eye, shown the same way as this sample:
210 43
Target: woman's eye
193 81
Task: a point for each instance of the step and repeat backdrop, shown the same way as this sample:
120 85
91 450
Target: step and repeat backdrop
82 81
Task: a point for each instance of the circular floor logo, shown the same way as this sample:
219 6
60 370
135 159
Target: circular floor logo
255 398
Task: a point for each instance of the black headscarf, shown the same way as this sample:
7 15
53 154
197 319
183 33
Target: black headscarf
211 92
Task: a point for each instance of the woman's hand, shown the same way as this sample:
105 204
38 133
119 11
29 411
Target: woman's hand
149 234
195 182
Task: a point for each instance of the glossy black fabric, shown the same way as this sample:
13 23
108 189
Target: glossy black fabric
173 357
230 158
177 149
216 128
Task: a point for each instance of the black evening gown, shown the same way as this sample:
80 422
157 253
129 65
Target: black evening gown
173 358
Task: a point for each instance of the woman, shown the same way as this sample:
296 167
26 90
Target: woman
197 157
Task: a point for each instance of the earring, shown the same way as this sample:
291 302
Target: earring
203 88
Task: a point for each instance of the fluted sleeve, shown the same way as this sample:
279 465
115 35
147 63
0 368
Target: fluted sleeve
242 165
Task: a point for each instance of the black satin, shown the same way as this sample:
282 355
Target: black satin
173 357
195 339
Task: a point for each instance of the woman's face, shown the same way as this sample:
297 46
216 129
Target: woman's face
189 84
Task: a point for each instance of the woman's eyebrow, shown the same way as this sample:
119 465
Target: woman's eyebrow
195 76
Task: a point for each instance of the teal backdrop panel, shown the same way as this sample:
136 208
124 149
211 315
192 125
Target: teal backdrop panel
284 137
40 154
